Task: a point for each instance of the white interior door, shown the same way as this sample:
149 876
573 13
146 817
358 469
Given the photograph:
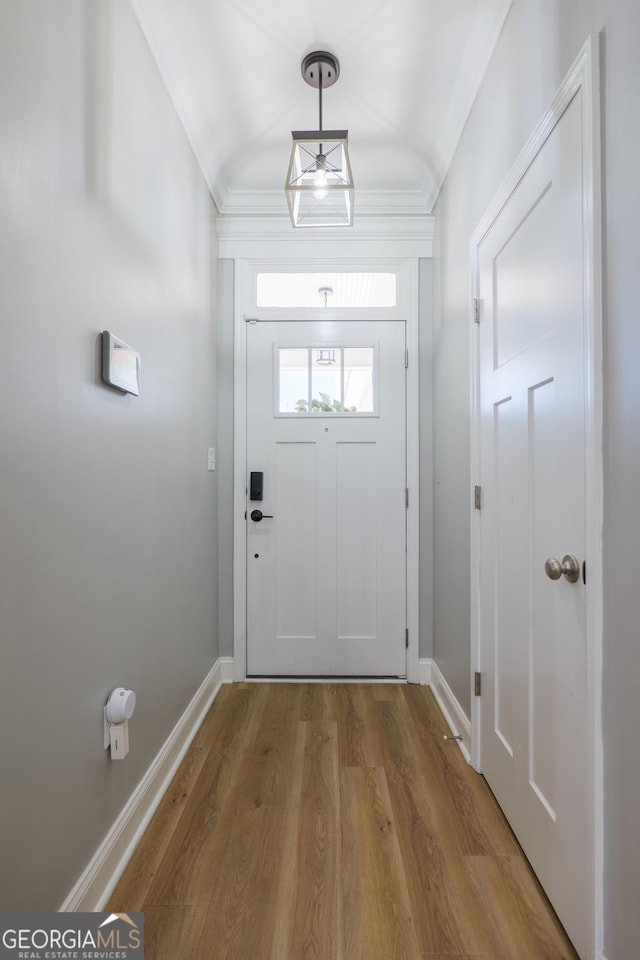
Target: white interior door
326 564
535 736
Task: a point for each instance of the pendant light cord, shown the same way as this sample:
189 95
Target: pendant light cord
320 105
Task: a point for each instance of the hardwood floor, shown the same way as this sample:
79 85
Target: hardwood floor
333 822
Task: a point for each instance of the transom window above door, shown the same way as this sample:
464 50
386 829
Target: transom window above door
328 380
349 290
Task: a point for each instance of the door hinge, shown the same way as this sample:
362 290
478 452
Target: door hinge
477 497
478 683
476 310
406 638
406 359
406 497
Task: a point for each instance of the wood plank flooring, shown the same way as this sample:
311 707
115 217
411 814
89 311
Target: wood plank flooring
333 822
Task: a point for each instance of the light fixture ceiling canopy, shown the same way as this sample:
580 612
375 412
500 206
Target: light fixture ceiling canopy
320 69
319 185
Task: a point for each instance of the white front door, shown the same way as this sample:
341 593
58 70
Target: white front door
535 736
326 564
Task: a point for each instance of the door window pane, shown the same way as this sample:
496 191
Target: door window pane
326 376
326 381
358 379
293 380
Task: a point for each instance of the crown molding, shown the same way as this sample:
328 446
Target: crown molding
368 203
370 236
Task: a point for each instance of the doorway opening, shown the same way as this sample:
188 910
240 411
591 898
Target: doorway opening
326 581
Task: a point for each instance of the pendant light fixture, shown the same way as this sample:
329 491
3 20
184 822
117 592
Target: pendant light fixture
319 184
325 292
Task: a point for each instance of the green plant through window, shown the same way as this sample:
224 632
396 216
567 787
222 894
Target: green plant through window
323 404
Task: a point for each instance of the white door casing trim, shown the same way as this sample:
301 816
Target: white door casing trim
245 269
584 75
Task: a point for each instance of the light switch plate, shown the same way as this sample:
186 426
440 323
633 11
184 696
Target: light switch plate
211 461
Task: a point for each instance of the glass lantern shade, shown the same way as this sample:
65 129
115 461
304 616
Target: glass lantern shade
319 185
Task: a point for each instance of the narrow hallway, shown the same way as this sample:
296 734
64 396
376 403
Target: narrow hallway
332 821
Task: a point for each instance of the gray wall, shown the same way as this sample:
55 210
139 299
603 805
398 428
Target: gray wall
425 309
226 340
538 44
621 42
540 40
108 552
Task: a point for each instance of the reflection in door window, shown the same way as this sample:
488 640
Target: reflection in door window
293 378
358 378
328 380
326 375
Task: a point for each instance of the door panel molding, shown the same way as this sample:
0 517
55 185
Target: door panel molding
583 77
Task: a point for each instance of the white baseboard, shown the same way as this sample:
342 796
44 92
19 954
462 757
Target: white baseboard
424 670
103 871
455 716
226 668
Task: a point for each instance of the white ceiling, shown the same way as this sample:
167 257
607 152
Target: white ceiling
410 70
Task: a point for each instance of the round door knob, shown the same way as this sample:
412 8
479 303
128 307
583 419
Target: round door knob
569 568
258 515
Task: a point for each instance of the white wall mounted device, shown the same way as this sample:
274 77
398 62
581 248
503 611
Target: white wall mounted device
118 710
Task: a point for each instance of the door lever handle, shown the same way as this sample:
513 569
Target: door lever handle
258 515
569 567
